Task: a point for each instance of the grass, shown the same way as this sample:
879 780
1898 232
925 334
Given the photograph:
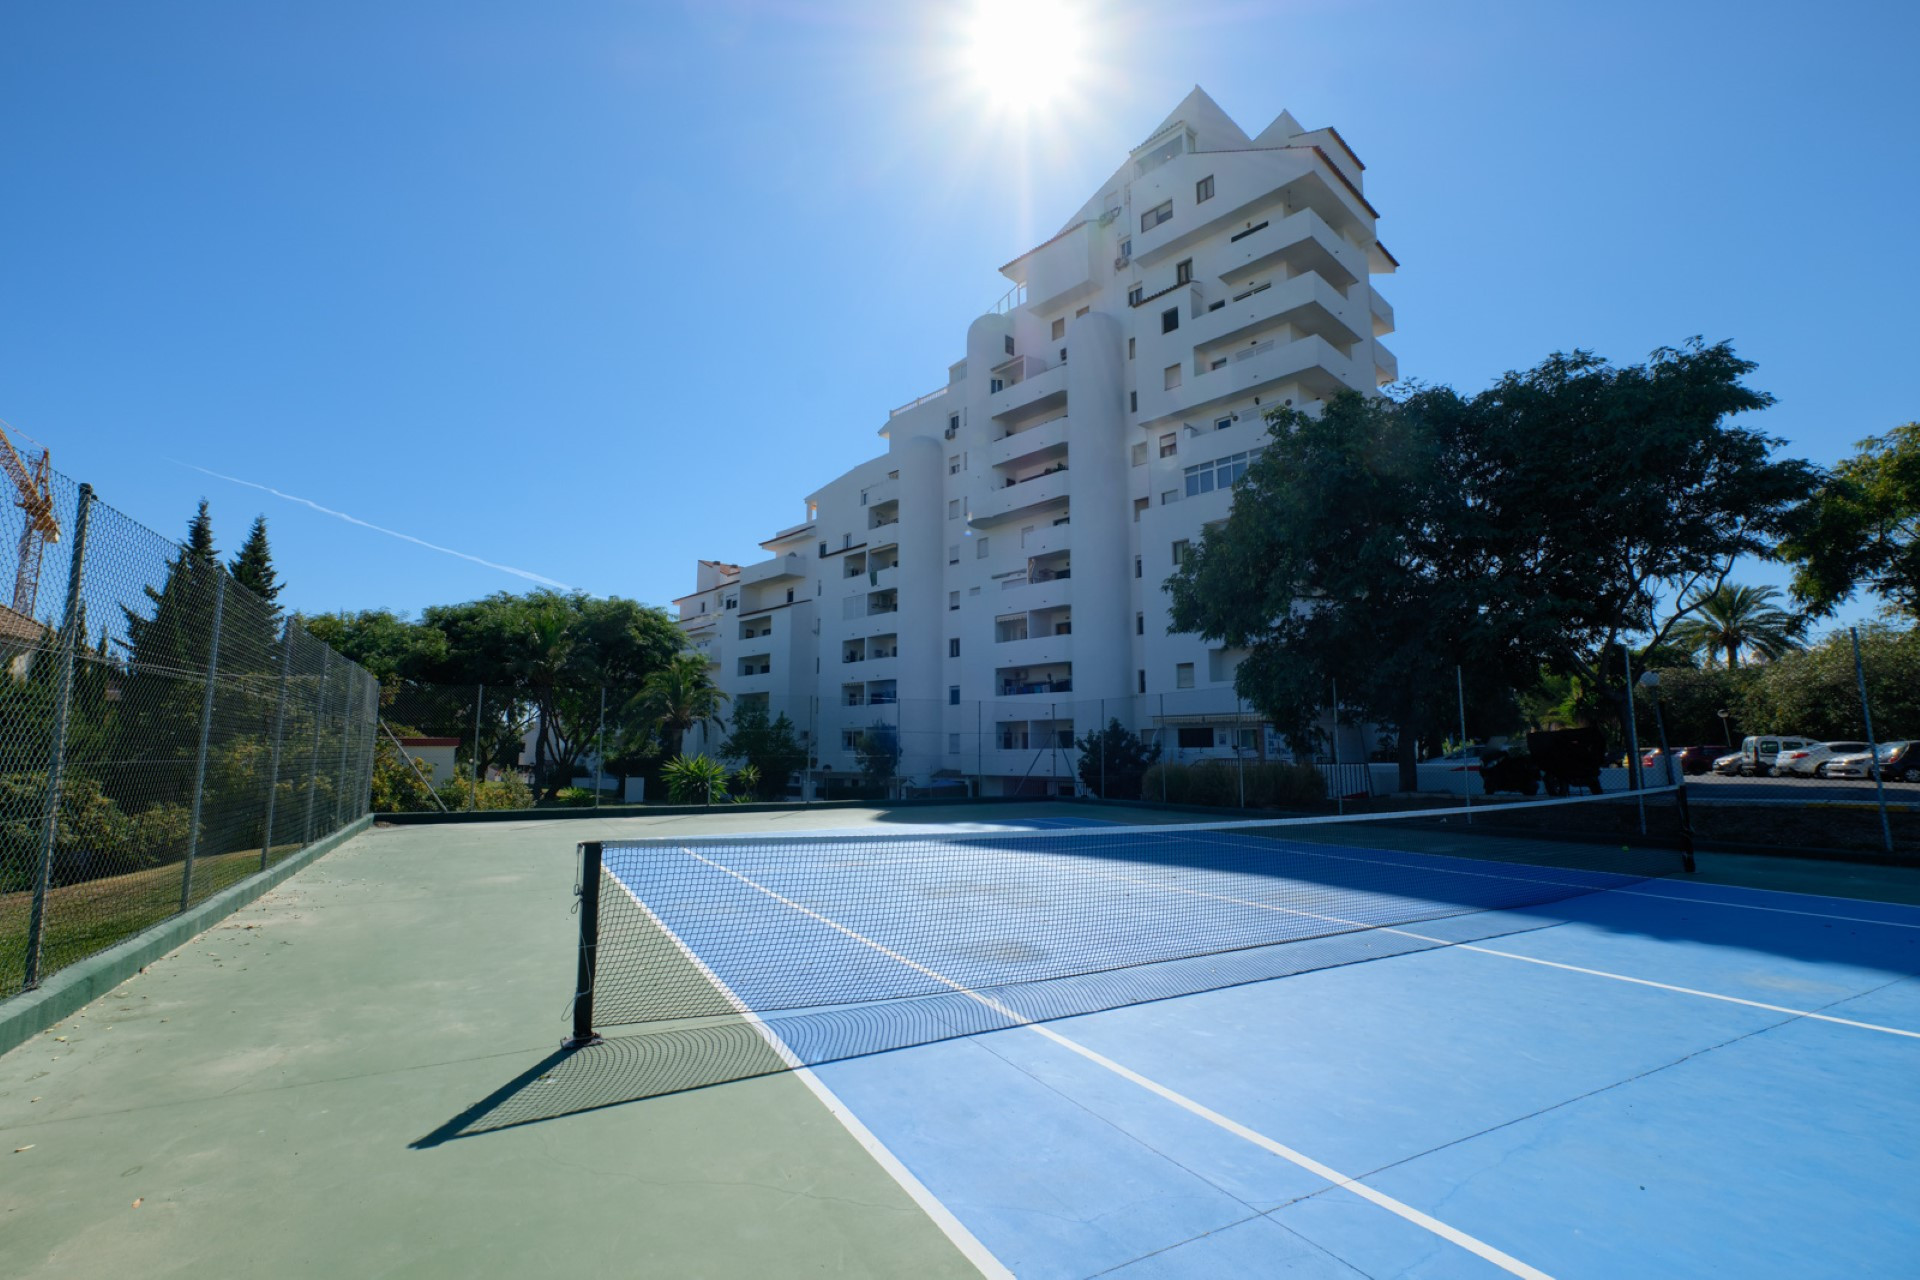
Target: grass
95 914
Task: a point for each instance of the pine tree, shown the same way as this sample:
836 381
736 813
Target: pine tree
200 536
253 567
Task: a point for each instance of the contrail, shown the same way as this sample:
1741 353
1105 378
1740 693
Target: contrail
391 533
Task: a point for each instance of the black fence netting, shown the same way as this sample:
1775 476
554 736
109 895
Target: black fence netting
164 733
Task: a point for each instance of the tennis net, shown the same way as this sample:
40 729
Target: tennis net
840 944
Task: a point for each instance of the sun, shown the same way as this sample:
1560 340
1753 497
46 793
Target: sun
1025 56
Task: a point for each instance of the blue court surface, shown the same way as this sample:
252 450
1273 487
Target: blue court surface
1649 1077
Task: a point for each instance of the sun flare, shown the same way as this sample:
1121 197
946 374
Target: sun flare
1026 55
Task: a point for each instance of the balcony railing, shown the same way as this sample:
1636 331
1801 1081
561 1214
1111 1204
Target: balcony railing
1008 689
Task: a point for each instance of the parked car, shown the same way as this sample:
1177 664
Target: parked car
1690 760
1899 762
1759 752
1729 764
1811 761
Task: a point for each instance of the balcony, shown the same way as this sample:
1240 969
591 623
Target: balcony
787 566
1307 303
1386 365
881 602
1020 498
1019 594
1301 241
1025 443
1037 390
1382 315
1033 651
1313 364
882 514
1047 539
1042 683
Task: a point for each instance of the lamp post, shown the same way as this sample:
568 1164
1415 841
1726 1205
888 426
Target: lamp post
1650 681
1724 731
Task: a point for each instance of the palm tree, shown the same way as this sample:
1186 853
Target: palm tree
679 696
1731 618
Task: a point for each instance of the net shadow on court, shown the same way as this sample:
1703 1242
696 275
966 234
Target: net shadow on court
654 1063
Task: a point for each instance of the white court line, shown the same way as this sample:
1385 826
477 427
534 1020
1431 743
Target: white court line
964 1240
1452 1235
1513 955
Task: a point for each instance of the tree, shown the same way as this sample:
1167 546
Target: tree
253 567
1814 691
1862 528
1114 760
878 750
680 695
1730 618
386 644
1533 527
769 747
200 536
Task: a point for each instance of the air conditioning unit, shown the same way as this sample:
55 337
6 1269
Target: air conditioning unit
950 432
1120 263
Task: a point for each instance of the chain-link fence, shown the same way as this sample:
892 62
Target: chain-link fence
164 733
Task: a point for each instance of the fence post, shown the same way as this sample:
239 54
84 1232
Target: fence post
1866 712
340 786
313 776
479 705
1339 791
1466 783
979 749
56 759
206 733
1633 736
1239 757
1160 736
1102 722
279 726
600 751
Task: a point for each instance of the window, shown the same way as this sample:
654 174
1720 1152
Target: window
1183 679
953 465
1218 474
849 737
1221 424
980 550
996 385
1139 505
1183 271
1009 341
1139 624
1195 738
703 606
1143 681
953 601
1126 247
953 508
1082 311
1155 216
1063 355
1169 444
953 743
973 591
953 554
953 692
823 551
1169 319
1181 551
1136 566
730 603
1133 402
953 424
1135 295
1140 454
1059 328
1203 190
1129 348
1172 376
1169 496
953 646
789 595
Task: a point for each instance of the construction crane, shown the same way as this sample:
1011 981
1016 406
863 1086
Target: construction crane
35 501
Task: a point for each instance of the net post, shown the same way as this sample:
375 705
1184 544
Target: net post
1634 778
589 908
1873 747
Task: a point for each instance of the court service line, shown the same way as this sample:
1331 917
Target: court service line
1514 955
943 1218
1296 846
1453 1235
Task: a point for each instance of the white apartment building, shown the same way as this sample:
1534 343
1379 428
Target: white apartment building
991 586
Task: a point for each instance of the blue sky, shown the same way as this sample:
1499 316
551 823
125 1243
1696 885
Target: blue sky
590 290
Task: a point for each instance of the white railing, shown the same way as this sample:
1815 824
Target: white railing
916 403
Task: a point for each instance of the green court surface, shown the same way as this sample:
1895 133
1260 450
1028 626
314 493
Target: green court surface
293 1092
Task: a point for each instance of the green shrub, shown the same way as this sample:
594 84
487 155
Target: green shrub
695 780
92 837
510 792
160 833
574 797
1269 784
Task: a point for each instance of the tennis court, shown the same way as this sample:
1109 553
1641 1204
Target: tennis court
1186 1054
1554 1060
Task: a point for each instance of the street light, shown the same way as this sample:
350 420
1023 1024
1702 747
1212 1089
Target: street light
1724 731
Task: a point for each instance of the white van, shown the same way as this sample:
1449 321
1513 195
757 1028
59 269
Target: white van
1759 755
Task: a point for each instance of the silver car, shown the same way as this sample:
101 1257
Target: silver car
1811 761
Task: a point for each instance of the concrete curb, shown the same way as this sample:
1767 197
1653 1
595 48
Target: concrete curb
433 817
25 1015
